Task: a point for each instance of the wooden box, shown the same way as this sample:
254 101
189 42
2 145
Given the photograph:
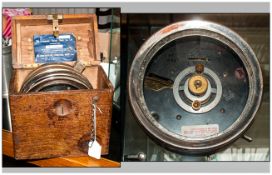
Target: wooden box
38 132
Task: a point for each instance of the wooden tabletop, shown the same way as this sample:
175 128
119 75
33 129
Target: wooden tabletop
58 162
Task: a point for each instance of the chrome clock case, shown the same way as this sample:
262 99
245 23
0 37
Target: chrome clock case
158 86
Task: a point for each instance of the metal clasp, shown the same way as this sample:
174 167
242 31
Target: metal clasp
55 23
79 66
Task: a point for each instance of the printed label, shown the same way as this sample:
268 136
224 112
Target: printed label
54 47
48 49
198 131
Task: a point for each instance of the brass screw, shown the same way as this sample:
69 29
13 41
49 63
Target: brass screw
199 68
197 84
196 105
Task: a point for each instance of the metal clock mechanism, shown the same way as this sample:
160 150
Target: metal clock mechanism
195 86
55 77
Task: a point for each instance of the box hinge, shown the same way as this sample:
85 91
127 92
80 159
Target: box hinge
79 66
55 23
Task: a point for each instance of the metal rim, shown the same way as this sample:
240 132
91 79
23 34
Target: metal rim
54 74
186 29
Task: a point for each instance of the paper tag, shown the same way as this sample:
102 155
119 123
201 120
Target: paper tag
196 131
94 149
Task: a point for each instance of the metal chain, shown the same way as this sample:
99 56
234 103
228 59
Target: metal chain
94 122
93 118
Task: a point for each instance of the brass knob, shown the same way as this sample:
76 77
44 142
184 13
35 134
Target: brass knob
199 68
198 85
196 105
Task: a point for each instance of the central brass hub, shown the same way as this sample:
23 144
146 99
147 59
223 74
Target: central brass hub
198 85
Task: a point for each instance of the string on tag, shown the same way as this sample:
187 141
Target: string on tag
94 121
94 104
94 147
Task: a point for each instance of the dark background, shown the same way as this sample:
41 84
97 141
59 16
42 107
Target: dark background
137 28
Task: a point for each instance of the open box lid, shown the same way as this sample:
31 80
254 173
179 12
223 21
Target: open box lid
82 26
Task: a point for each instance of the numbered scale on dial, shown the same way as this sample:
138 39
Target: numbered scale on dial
193 85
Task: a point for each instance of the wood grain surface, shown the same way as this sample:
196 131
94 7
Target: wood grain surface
39 132
83 161
54 124
82 27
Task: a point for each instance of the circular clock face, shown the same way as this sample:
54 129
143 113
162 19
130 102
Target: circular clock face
192 86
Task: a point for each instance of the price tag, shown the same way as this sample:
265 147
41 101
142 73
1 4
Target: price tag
94 149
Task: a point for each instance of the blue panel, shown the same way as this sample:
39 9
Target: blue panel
48 49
